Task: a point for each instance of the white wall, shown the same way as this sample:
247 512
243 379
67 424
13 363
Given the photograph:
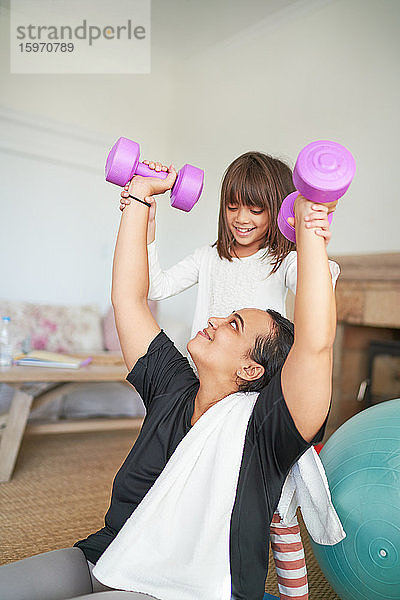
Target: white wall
226 77
312 70
58 216
327 73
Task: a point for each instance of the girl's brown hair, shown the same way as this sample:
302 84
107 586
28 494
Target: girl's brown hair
256 180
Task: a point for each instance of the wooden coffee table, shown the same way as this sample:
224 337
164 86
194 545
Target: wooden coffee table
35 386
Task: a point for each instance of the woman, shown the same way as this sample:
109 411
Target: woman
192 504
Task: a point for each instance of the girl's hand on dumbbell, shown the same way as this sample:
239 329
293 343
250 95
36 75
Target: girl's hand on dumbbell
124 200
318 220
315 217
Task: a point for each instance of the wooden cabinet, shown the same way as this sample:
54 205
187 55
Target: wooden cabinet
368 307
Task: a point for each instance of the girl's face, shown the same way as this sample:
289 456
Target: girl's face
248 225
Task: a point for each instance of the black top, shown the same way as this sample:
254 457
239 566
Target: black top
168 387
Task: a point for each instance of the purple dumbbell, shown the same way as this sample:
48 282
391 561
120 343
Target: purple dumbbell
322 173
123 163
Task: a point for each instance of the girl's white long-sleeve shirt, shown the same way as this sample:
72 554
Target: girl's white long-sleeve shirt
225 286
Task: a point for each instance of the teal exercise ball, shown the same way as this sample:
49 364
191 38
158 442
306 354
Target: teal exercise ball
362 463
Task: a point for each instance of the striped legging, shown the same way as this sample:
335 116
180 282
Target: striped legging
290 564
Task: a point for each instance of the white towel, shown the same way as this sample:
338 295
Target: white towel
307 486
175 545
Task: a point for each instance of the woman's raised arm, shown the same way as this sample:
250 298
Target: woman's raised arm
307 372
130 280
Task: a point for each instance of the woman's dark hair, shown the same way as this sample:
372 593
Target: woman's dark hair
270 351
256 180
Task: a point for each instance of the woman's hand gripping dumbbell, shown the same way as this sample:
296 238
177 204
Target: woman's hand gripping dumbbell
123 163
125 199
318 217
322 174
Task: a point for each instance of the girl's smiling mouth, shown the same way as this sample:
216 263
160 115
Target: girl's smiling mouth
243 230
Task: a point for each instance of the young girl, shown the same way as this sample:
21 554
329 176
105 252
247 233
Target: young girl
253 265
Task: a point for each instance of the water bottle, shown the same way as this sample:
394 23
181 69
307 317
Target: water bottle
6 355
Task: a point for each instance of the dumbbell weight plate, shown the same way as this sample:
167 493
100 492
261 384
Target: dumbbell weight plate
323 171
122 161
286 211
187 187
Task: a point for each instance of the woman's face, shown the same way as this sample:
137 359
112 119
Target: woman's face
223 346
248 225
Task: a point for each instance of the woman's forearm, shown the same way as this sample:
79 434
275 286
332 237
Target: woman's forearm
130 281
315 309
130 278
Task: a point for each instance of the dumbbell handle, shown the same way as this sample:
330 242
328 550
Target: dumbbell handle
145 171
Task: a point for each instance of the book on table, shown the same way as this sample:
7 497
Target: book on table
42 358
